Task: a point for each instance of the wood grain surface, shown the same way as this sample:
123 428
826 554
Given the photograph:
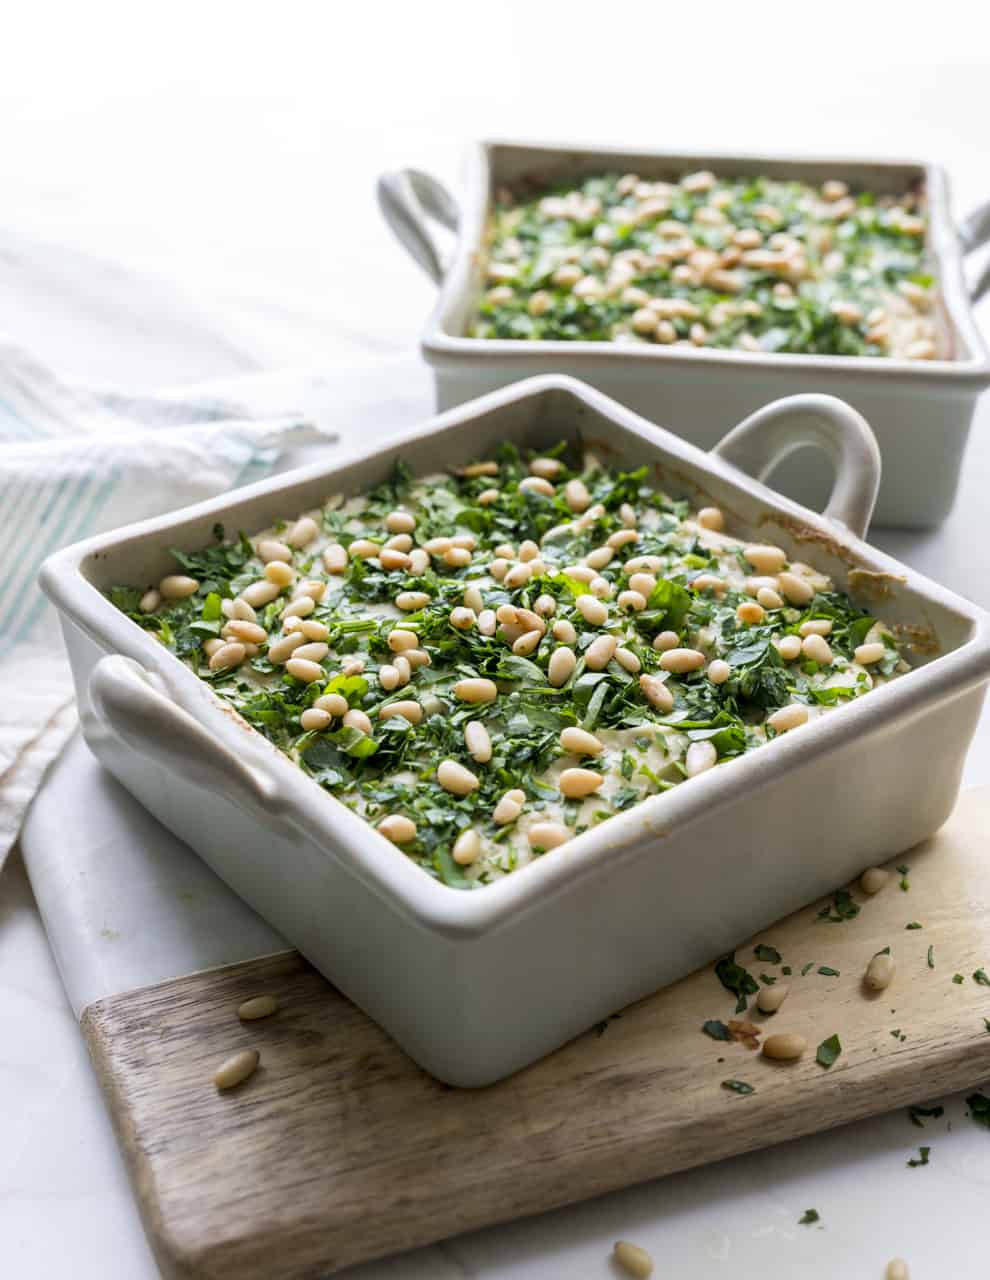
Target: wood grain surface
339 1149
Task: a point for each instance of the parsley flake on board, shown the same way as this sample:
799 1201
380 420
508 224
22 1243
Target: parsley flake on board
768 954
979 1109
914 925
716 1029
807 969
958 979
828 1051
921 1159
827 972
738 1086
918 1115
841 908
736 979
931 957
808 1217
905 882
981 978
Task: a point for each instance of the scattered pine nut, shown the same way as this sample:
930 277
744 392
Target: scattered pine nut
636 1261
236 1069
257 1007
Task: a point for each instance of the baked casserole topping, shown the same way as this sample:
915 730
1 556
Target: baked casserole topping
749 264
487 663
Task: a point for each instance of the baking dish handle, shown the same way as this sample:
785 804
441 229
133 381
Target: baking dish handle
130 705
974 231
409 199
766 437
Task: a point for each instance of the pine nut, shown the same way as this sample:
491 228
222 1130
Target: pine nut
302 532
536 484
750 613
577 496
410 601
580 572
313 588
785 1047
476 689
335 704
628 660
628 516
561 666
718 671
150 601
399 640
765 559
389 677
301 607
579 742
755 585
453 777
545 606
789 717
335 558
633 1259
873 879
465 540
817 649
487 622
644 564
280 573
592 610
644 583
656 692
480 469
283 648
462 619
789 647
682 660
563 631
601 588
879 973
351 666
600 557
214 645
400 522
897 1269
867 654
478 741
768 598
473 599
528 550
271 549
770 999
700 757
527 642
363 549
409 710
517 576
177 586
600 652
257 1007
632 600
815 627
305 670
506 550
794 589
548 468
438 546
666 641
622 538
246 631
419 562
709 582
314 652
509 807
314 719
356 719
392 560
547 835
467 847
498 568
488 496
236 1069
238 610
711 518
397 828
228 655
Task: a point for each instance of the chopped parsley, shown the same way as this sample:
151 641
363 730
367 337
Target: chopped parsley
828 1051
979 1109
826 972
738 1086
768 954
808 1217
958 979
920 1159
914 925
931 957
905 883
918 1115
716 1029
841 908
981 978
736 979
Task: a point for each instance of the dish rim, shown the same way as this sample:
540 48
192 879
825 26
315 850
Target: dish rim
442 346
342 834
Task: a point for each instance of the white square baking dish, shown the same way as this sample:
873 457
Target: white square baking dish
476 984
920 410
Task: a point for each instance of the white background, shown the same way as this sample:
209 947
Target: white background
218 161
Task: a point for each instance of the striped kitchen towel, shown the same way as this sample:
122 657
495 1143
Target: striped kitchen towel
73 463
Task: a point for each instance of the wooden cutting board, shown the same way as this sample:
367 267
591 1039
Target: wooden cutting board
339 1149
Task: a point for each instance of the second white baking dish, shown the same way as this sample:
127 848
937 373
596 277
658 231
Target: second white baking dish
920 410
476 984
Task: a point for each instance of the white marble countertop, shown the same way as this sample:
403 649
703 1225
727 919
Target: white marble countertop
223 160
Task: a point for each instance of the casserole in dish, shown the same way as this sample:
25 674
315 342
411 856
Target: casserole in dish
920 408
477 985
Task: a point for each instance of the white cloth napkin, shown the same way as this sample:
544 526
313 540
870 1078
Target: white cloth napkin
74 462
